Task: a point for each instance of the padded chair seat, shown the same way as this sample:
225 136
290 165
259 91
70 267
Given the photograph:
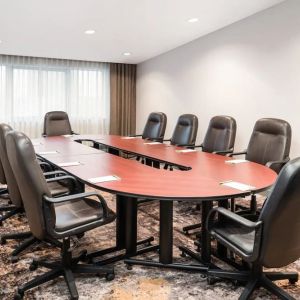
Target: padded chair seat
76 213
239 236
57 189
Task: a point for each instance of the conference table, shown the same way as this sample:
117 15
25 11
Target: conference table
196 176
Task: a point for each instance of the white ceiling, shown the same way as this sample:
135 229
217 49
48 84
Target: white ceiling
146 28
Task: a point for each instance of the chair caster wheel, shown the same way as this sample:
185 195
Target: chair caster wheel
148 244
2 241
210 280
110 276
14 259
129 267
33 266
80 236
182 254
292 281
185 232
19 295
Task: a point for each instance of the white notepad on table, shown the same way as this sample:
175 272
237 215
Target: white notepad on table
128 137
67 135
153 143
186 150
34 144
236 161
104 179
238 185
47 152
69 164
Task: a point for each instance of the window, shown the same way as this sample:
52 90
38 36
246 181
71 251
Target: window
30 87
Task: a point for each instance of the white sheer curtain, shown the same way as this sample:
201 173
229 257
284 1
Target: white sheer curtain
30 87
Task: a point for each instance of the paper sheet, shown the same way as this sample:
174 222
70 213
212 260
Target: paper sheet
69 164
68 135
236 161
34 144
186 150
104 179
47 152
128 137
238 185
153 143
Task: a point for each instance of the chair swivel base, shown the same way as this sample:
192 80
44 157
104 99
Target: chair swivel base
11 211
65 267
256 280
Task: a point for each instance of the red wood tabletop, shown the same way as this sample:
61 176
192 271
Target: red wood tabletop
202 181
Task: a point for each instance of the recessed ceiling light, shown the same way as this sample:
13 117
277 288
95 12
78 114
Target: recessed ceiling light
126 53
90 31
193 20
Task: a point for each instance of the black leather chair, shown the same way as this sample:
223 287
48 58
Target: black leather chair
55 218
53 183
154 130
219 139
271 242
57 123
269 145
155 127
185 132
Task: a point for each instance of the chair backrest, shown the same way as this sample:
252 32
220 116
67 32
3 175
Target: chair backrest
281 219
30 179
2 175
220 134
12 186
185 132
270 141
56 123
155 126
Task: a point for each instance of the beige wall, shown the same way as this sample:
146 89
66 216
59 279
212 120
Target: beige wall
248 70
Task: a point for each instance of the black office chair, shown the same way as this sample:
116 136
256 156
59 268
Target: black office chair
184 134
56 182
271 242
154 130
219 139
57 123
185 131
155 127
55 218
269 145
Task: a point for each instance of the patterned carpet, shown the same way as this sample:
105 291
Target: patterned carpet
139 283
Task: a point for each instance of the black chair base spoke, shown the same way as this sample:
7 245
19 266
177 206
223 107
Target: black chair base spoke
65 267
255 280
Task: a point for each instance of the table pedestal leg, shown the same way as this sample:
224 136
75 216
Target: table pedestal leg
165 244
126 234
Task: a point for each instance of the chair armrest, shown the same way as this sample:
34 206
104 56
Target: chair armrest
276 165
45 166
232 216
253 226
198 146
51 200
75 185
238 153
223 152
53 173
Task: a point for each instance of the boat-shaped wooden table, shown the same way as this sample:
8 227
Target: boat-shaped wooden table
199 176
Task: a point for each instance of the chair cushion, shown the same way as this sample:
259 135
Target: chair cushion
239 236
77 212
57 189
